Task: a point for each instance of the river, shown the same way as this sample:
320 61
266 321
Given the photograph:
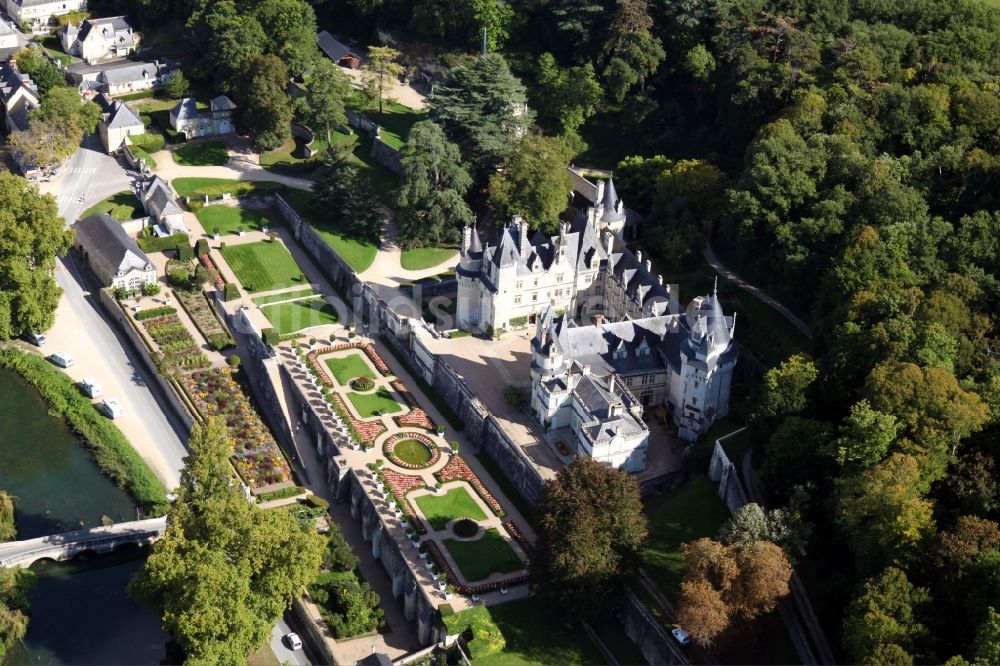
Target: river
80 611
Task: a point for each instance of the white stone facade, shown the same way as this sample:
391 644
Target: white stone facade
41 11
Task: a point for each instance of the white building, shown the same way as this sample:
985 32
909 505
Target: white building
118 122
8 37
188 120
633 350
161 205
38 13
114 257
18 96
99 39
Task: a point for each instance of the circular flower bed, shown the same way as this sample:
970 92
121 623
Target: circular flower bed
411 450
362 384
465 528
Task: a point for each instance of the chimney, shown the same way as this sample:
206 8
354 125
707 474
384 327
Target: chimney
649 266
466 239
609 242
612 383
586 369
523 236
599 196
638 256
659 280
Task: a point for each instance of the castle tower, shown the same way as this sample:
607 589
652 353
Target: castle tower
468 311
612 209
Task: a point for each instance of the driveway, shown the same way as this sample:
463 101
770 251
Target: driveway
239 167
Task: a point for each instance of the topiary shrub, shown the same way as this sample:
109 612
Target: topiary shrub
180 277
271 337
150 289
231 292
233 360
202 246
184 251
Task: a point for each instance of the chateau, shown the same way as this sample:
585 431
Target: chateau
610 339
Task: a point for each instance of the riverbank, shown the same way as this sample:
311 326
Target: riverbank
109 448
14 587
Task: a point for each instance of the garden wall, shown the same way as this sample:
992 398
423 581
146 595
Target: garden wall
166 389
647 633
339 272
724 472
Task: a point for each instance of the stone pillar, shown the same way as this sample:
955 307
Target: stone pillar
377 536
410 599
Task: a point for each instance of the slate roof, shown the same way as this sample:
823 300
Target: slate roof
12 80
158 199
18 112
137 72
333 47
108 245
222 103
186 109
117 114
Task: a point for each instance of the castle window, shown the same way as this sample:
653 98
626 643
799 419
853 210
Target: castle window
534 298
520 284
536 282
517 299
558 293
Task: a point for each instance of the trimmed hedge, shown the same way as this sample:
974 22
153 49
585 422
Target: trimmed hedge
201 247
184 251
271 336
290 491
112 452
231 292
155 312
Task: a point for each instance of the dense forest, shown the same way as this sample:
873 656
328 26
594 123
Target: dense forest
845 154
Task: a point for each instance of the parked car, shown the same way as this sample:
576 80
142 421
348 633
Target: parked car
91 388
111 408
62 359
293 641
681 636
37 339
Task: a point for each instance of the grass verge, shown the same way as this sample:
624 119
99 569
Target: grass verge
122 206
207 153
420 258
112 452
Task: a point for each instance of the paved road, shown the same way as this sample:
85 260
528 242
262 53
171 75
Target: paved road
89 174
286 656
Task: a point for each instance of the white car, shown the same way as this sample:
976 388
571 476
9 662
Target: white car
62 359
681 636
91 388
293 640
111 408
37 339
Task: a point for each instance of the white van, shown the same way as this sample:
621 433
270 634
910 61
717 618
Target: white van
62 359
91 388
111 408
37 339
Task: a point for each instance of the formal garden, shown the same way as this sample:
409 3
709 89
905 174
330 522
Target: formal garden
224 220
289 317
263 266
455 504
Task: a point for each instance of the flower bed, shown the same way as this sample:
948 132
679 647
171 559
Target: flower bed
179 349
207 262
321 372
362 384
362 432
390 444
458 470
416 417
399 485
195 303
519 537
257 457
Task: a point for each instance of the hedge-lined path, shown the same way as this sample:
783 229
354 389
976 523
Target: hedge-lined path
241 166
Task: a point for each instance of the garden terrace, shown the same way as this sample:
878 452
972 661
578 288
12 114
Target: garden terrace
179 349
458 470
471 588
364 433
411 450
298 315
263 266
379 403
478 559
257 458
400 485
346 368
195 303
231 219
368 349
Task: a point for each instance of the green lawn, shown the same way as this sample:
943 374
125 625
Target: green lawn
294 316
456 503
229 220
215 187
359 253
395 120
347 368
54 48
262 266
206 153
411 451
695 512
535 635
369 403
284 296
420 258
122 206
293 152
489 554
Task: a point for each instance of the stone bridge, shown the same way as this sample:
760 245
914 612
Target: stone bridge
59 547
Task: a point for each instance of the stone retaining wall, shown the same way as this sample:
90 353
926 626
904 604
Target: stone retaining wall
647 633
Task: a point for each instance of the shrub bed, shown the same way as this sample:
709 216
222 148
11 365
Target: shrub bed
155 312
179 349
196 304
362 384
112 452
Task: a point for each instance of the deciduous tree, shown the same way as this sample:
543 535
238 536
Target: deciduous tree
590 527
380 70
865 437
177 85
327 89
263 108
885 612
533 183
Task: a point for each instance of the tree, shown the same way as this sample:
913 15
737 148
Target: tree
43 73
784 388
13 607
591 527
752 523
987 645
346 195
970 486
865 437
959 548
483 108
32 235
338 556
380 70
632 52
884 612
290 27
434 180
533 183
46 143
63 105
8 530
328 87
725 582
882 513
564 96
177 85
264 110
225 570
